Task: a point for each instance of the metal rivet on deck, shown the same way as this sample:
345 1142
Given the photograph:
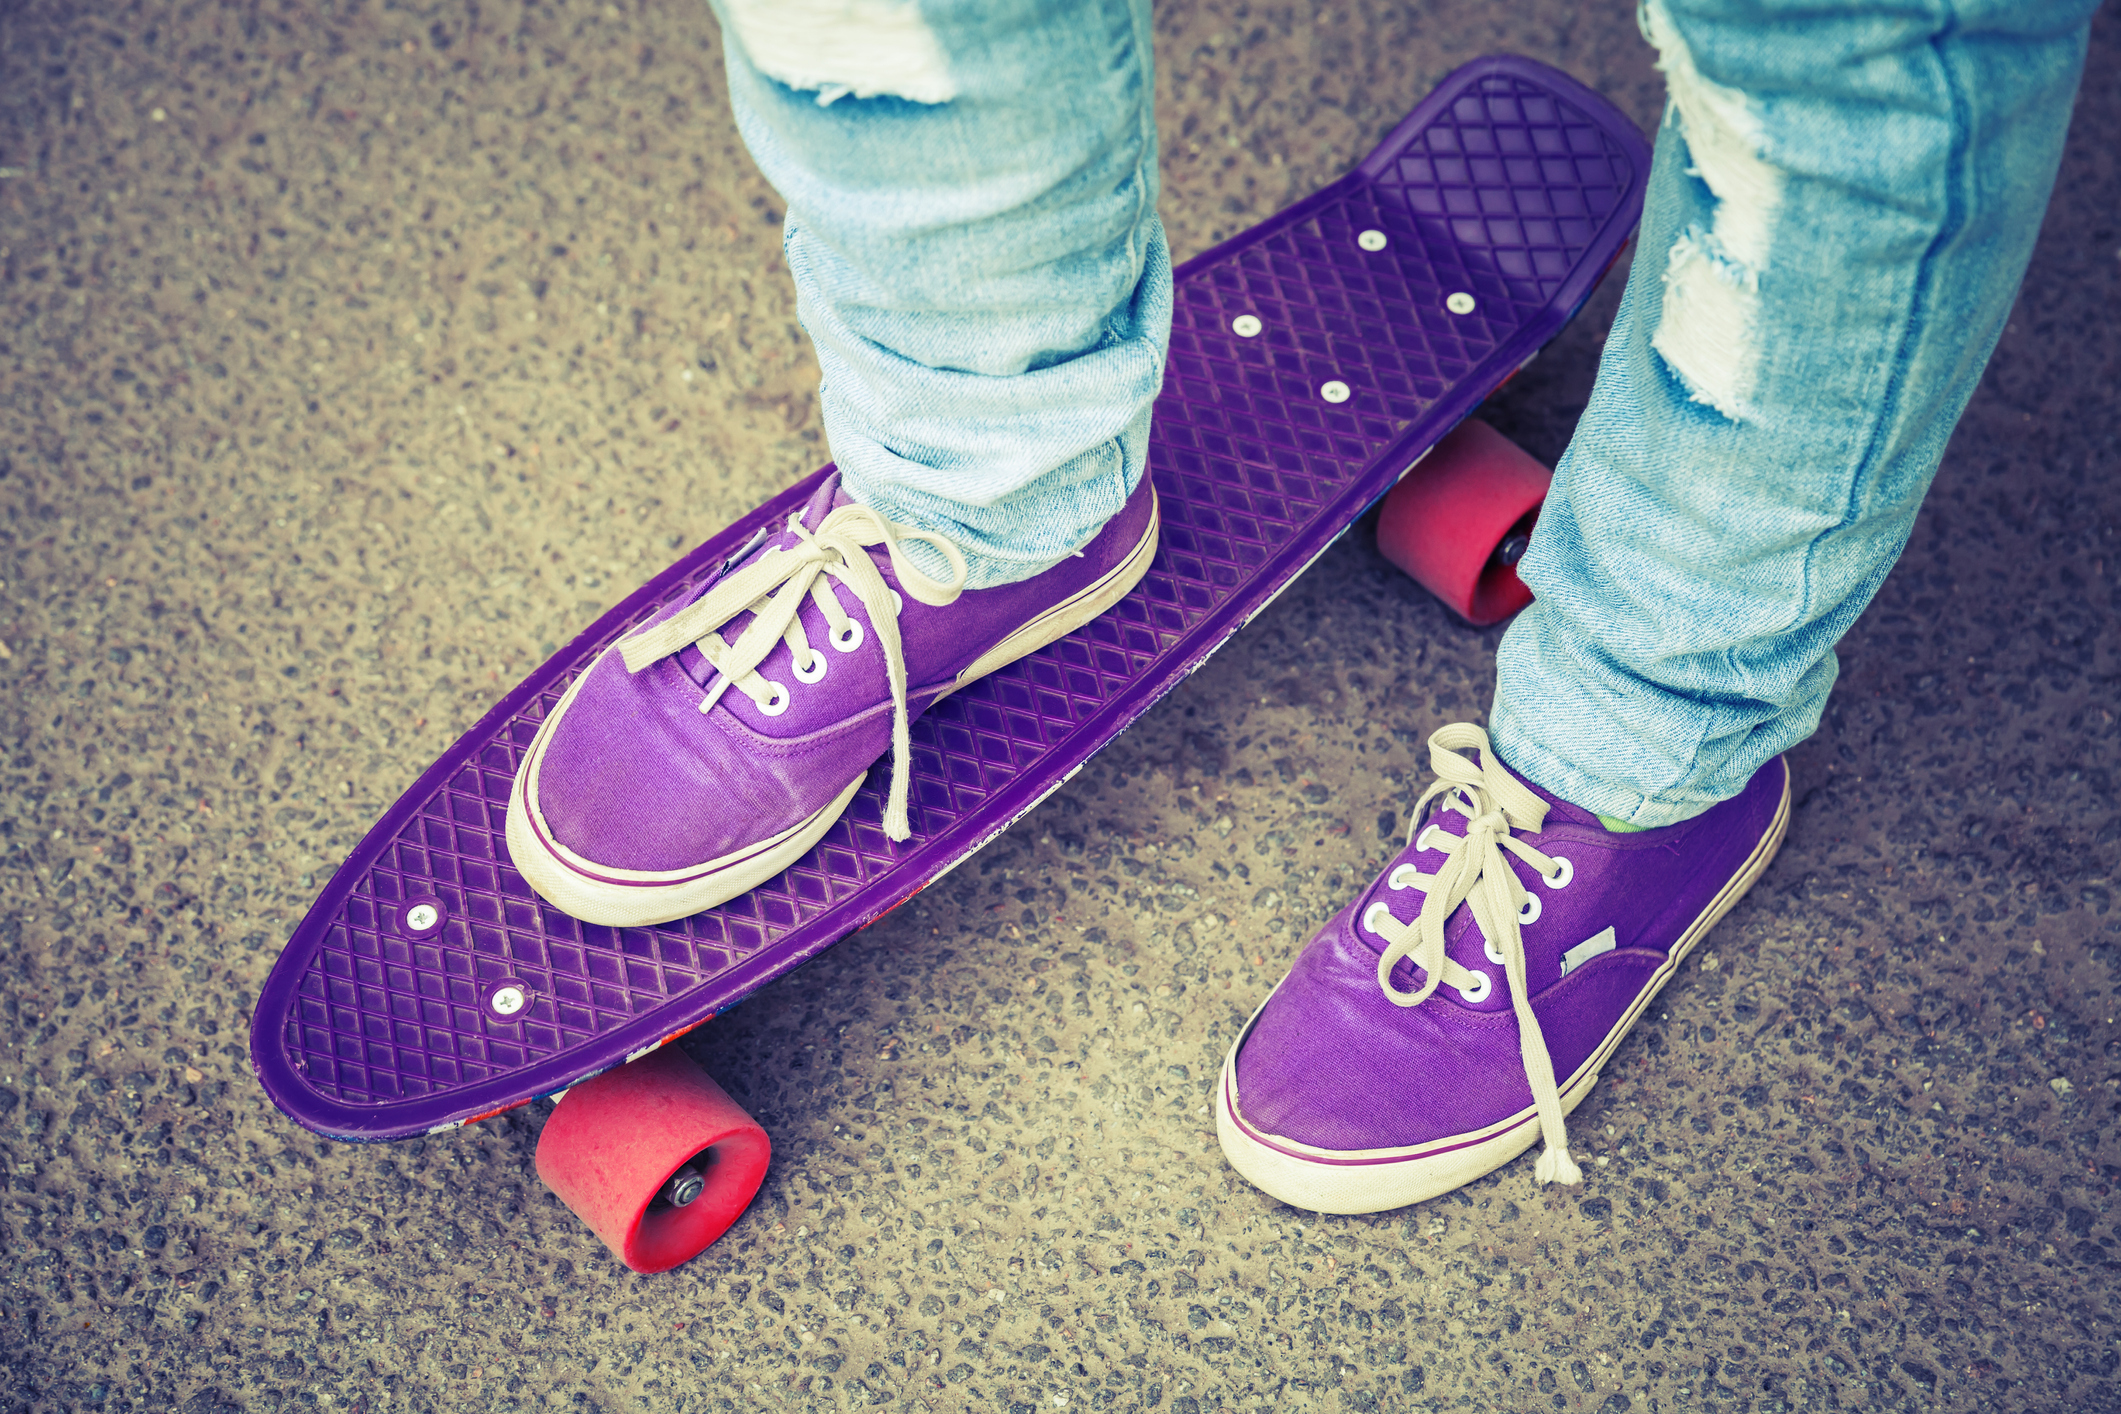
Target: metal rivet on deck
422 917
1371 240
1246 326
508 1000
1459 302
1334 391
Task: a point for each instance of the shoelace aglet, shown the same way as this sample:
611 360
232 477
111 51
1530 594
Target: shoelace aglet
1555 1166
898 824
714 694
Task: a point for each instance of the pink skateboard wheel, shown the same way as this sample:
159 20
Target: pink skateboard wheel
614 1148
1458 522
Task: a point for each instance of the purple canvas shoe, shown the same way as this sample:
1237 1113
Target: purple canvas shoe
1466 1001
707 751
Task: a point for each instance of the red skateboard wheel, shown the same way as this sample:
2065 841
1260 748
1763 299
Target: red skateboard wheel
1456 523
616 1141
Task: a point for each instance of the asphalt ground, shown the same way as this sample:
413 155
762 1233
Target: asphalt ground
356 355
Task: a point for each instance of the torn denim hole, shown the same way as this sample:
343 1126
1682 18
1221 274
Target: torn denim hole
863 48
1708 334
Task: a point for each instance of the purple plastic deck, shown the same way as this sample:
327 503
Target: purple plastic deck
1313 360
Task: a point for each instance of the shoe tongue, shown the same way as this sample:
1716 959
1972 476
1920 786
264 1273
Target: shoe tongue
1559 811
828 497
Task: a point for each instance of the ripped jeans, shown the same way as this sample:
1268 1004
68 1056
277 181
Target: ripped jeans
1843 203
1842 206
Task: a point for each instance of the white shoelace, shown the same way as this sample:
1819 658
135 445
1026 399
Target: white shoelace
1474 871
772 587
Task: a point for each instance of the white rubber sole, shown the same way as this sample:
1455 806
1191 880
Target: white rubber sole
627 898
1374 1180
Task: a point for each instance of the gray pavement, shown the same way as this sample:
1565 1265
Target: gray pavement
355 354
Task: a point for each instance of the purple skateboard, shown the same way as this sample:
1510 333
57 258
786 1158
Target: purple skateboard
1314 359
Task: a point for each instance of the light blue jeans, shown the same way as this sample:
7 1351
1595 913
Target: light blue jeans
971 189
1842 205
1843 202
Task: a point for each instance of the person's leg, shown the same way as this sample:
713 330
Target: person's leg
1843 203
972 231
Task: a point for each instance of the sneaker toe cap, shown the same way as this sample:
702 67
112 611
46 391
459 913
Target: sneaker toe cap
635 777
1332 1064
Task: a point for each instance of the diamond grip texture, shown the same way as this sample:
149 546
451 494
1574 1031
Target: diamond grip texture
1510 184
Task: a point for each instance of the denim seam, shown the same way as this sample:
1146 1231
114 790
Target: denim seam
1146 177
1919 295
1856 503
1863 477
1146 173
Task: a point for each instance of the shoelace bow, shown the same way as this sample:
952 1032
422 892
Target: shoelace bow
771 588
1475 872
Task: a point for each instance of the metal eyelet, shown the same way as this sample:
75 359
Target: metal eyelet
849 638
816 671
1529 914
898 602
1494 954
1564 871
778 703
1397 878
1483 987
1369 916
1421 841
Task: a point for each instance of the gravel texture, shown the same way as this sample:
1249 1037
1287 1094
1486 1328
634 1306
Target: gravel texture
356 354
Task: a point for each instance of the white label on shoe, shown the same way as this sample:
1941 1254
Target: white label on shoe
1589 948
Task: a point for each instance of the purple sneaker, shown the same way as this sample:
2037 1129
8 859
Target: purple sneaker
1418 1043
710 749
